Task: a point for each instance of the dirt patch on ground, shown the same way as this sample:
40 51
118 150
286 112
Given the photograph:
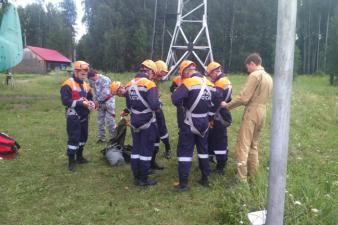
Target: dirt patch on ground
22 81
18 107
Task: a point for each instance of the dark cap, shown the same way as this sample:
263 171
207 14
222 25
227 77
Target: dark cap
91 73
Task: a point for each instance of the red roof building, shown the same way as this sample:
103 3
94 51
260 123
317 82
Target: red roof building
41 60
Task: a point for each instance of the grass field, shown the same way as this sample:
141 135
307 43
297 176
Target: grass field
36 187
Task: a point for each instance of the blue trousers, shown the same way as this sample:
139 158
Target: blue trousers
218 144
185 149
77 130
142 151
162 130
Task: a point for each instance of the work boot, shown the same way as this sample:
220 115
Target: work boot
71 163
204 181
145 181
153 164
167 154
219 169
79 157
218 172
182 186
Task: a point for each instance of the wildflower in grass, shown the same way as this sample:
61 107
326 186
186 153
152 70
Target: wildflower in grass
315 210
297 203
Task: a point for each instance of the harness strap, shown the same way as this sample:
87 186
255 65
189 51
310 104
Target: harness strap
218 115
190 115
147 110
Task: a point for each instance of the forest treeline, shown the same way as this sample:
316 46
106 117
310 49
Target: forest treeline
120 32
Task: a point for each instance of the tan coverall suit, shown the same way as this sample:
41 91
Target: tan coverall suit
254 96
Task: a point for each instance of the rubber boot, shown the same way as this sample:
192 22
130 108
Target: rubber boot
145 181
71 163
182 186
219 168
79 157
167 153
153 164
204 181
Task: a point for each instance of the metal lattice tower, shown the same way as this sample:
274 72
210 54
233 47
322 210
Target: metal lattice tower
191 20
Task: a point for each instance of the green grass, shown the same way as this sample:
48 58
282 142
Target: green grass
36 187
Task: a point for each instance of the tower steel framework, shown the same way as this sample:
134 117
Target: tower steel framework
191 16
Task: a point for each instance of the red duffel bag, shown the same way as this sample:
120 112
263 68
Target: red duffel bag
8 146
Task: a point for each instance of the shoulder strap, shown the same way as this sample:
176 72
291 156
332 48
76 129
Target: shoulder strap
204 86
134 85
229 93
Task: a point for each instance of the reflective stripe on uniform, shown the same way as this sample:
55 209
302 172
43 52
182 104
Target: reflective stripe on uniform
73 104
82 143
184 159
211 113
199 115
141 112
220 152
195 87
134 156
157 144
145 158
79 89
203 156
73 147
142 89
164 136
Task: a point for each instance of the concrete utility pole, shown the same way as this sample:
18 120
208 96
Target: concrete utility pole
281 104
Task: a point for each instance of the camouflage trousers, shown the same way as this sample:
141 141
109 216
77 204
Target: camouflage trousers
106 114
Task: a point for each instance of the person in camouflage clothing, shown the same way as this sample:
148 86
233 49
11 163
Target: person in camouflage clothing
105 103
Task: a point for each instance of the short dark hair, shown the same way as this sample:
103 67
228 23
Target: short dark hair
255 58
91 73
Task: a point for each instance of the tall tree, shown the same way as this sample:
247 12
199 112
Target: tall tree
332 58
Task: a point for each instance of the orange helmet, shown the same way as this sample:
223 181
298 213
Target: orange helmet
161 66
150 65
185 64
81 65
115 85
212 66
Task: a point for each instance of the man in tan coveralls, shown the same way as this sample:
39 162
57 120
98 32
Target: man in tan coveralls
254 97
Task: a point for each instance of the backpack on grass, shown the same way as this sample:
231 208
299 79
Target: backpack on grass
8 146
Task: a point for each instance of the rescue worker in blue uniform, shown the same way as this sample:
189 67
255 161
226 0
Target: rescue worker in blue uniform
196 94
177 81
218 138
105 102
77 97
162 70
142 101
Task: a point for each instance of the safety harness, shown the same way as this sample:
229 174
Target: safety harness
189 113
71 110
218 117
147 110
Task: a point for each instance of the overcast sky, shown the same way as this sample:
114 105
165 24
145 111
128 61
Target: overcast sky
80 28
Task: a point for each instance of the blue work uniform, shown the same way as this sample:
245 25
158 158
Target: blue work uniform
194 129
142 101
218 138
